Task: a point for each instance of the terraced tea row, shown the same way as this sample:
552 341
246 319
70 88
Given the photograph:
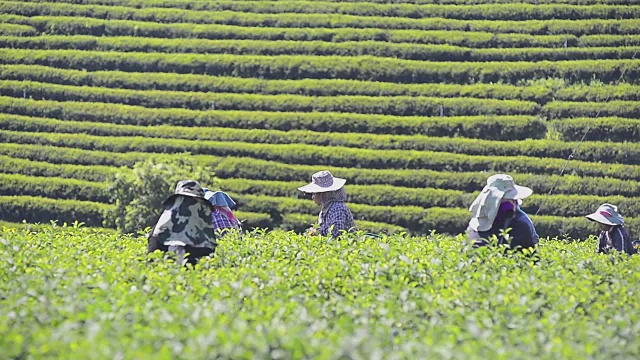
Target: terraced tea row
179 139
318 67
231 167
282 211
75 25
411 11
488 127
396 105
300 20
505 127
375 195
316 48
338 156
542 91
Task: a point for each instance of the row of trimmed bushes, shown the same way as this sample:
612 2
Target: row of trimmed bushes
338 156
540 92
180 139
287 20
464 181
376 195
317 48
230 167
319 67
205 10
386 195
489 127
486 38
396 105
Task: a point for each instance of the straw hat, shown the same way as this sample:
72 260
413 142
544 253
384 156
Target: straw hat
485 207
607 214
323 181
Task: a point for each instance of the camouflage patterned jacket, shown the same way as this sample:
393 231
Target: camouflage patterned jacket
186 221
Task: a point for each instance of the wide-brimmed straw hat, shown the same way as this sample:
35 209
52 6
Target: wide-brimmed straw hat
323 181
219 198
189 188
485 207
607 214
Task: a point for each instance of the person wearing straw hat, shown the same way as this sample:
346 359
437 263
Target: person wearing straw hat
497 209
613 234
222 218
185 224
328 192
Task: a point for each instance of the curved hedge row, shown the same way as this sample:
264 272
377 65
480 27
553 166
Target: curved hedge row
299 67
205 6
315 48
287 20
312 154
53 187
397 105
378 195
11 30
94 173
601 129
565 109
64 25
464 181
230 167
490 127
411 11
176 136
43 210
540 92
386 195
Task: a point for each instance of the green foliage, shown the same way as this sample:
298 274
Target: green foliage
289 296
355 68
491 127
204 12
138 193
397 105
406 51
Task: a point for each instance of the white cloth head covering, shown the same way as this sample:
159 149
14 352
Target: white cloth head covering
484 208
607 214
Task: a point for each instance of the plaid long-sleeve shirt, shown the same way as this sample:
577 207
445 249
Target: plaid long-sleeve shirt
338 215
221 223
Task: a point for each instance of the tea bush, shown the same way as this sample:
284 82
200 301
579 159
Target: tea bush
69 292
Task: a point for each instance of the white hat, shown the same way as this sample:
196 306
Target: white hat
607 214
485 207
323 181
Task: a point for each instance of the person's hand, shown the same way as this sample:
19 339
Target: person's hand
311 231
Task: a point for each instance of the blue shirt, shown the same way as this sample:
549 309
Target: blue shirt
522 235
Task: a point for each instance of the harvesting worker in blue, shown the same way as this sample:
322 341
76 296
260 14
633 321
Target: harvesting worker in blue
497 209
328 192
222 217
613 235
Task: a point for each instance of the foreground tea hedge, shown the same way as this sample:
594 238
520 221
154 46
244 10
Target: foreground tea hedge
287 296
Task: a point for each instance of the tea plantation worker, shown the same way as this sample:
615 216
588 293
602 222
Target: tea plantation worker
328 191
185 224
222 218
613 234
496 209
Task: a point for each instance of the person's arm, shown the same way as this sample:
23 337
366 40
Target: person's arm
602 243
